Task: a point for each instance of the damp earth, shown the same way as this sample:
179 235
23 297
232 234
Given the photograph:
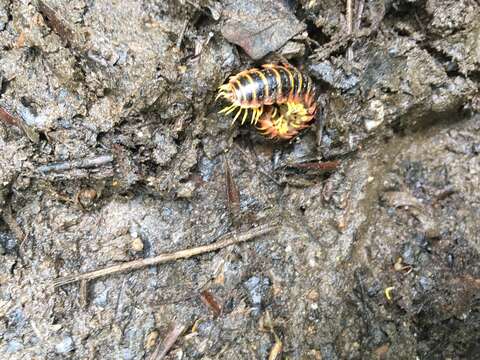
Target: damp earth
112 150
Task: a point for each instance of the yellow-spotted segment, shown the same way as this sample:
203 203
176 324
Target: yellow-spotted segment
278 99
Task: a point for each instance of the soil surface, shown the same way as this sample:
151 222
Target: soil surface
112 150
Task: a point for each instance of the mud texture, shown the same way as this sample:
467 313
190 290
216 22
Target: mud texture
111 149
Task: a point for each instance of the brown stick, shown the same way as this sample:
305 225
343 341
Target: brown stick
233 194
6 117
228 239
322 165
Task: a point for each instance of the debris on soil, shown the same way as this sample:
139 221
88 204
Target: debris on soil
403 199
209 300
53 21
11 120
162 350
233 195
112 153
78 164
151 339
259 27
226 240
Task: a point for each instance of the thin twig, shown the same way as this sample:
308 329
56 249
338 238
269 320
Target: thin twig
278 346
228 239
77 164
162 350
233 194
338 43
6 117
11 222
419 22
316 165
119 304
358 14
83 293
182 33
17 231
349 28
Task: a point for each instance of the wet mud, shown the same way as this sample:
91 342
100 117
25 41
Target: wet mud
112 150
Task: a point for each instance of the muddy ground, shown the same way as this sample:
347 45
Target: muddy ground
112 150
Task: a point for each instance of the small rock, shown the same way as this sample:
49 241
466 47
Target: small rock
258 288
186 190
86 197
65 345
408 254
137 244
7 241
17 319
3 17
100 293
381 351
134 230
264 347
259 27
165 148
425 283
450 259
206 168
208 327
476 149
374 289
334 76
151 339
378 112
377 337
313 295
127 354
292 49
14 346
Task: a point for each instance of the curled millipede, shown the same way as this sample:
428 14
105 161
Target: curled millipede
281 99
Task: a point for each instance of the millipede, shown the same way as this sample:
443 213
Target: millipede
281 99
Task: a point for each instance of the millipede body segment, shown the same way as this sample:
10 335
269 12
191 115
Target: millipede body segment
280 98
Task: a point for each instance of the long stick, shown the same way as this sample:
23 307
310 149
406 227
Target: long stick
228 239
82 164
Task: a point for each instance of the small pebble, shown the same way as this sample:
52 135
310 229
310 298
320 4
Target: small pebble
425 283
408 254
257 289
186 190
398 266
14 346
151 339
313 295
100 293
64 346
86 197
127 354
137 244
